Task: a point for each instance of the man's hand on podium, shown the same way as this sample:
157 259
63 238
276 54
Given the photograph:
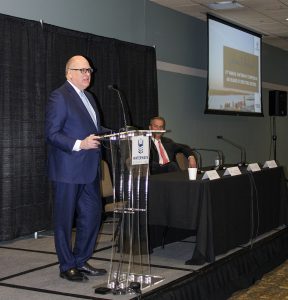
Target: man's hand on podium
90 142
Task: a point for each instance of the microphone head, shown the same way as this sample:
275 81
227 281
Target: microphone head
112 87
219 137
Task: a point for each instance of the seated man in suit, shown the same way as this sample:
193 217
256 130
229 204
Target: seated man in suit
163 150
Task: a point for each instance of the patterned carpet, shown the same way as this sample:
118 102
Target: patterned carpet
273 285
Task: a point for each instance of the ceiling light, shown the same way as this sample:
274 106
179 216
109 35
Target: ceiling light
222 5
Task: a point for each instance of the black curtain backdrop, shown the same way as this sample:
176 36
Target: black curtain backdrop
33 58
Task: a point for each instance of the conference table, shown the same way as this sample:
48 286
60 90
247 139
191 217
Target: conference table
223 213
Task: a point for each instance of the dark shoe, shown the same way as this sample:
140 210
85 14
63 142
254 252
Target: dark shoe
91 271
73 275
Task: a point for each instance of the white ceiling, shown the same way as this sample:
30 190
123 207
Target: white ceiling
267 17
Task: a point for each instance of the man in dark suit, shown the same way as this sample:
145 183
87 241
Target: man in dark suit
163 150
72 124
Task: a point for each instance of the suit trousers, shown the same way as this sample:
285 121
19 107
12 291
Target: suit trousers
78 204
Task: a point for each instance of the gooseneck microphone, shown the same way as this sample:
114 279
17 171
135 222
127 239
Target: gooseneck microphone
242 149
114 88
219 154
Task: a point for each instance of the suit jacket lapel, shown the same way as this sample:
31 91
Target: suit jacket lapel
80 103
93 104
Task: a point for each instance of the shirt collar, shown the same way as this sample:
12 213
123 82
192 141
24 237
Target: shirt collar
75 88
155 140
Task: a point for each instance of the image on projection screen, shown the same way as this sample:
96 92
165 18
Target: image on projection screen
234 75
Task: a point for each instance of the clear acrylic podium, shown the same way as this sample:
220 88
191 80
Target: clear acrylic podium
130 260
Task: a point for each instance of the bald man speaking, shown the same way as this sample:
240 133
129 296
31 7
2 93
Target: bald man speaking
74 154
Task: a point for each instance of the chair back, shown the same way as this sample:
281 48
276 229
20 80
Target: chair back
106 186
182 161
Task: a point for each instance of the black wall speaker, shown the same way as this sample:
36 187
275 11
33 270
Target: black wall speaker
277 103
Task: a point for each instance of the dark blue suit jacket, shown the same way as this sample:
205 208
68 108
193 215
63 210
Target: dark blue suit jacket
68 120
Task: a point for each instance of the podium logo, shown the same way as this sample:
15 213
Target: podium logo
140 146
140 150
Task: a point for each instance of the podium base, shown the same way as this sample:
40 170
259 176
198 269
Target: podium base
121 284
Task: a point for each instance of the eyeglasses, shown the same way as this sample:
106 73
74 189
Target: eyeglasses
83 70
